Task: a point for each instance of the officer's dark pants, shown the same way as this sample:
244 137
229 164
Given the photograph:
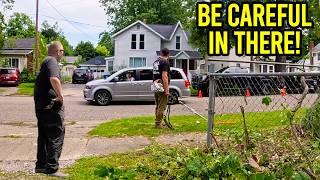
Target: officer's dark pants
51 132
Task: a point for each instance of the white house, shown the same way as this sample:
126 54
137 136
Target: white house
316 55
241 61
139 44
18 53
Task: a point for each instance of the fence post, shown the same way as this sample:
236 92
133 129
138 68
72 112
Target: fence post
211 107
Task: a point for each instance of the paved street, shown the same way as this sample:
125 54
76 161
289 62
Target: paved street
15 108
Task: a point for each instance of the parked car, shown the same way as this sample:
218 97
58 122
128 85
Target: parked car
133 84
9 76
257 85
82 75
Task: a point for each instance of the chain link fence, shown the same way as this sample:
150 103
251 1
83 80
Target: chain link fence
257 101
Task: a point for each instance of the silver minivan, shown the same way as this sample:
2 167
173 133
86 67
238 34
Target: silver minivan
133 84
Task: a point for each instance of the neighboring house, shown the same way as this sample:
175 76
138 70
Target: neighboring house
68 68
220 62
97 65
18 53
139 44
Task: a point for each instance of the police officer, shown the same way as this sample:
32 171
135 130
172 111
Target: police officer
49 107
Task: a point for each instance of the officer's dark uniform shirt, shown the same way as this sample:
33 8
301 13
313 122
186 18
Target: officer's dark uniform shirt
43 91
159 66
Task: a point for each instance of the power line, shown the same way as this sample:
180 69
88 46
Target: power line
70 22
76 22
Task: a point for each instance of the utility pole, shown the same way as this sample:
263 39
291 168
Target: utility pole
37 39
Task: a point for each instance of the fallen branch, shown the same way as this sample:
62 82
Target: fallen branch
293 127
215 140
246 133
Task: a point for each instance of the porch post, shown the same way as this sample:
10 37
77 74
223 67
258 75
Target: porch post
188 66
175 63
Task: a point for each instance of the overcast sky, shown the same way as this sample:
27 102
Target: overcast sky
78 19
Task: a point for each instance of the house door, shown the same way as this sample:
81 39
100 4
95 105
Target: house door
185 66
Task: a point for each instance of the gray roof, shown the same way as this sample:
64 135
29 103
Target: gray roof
191 54
194 54
26 43
15 51
317 48
97 61
165 30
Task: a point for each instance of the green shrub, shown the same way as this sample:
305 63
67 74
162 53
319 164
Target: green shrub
27 77
311 122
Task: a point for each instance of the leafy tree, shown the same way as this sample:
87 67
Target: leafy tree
21 26
106 40
102 51
85 50
68 49
124 12
53 33
4 4
49 32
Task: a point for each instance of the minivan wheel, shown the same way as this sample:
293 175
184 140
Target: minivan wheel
173 97
102 97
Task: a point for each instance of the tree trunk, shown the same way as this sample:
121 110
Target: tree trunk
280 67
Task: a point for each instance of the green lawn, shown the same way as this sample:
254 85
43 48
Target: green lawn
25 89
144 126
187 162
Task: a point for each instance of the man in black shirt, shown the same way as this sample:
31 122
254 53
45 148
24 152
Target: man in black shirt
49 107
161 74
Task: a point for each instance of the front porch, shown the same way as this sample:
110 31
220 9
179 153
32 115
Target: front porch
189 61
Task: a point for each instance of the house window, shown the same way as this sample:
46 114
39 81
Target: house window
264 68
318 56
141 44
12 62
110 66
137 62
178 42
133 41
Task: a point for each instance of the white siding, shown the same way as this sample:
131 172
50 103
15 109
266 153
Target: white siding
123 47
185 46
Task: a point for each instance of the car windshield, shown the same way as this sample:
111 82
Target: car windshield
7 71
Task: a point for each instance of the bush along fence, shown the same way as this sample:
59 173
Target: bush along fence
255 105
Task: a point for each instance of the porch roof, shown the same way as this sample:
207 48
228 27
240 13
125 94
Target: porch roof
15 51
190 54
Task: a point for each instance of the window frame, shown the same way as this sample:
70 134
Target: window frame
144 62
144 40
178 43
133 42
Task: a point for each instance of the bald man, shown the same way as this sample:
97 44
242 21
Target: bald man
49 107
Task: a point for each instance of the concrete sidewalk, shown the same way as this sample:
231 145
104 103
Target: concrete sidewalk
18 151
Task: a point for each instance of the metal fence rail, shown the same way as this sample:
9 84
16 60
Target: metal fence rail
264 97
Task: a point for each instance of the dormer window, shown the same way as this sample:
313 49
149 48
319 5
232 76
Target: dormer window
178 42
133 41
138 26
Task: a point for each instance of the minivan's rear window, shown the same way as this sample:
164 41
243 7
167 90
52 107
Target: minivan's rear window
80 70
175 74
7 71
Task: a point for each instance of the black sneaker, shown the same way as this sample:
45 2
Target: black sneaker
39 170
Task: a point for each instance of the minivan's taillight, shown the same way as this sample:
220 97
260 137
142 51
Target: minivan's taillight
187 83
